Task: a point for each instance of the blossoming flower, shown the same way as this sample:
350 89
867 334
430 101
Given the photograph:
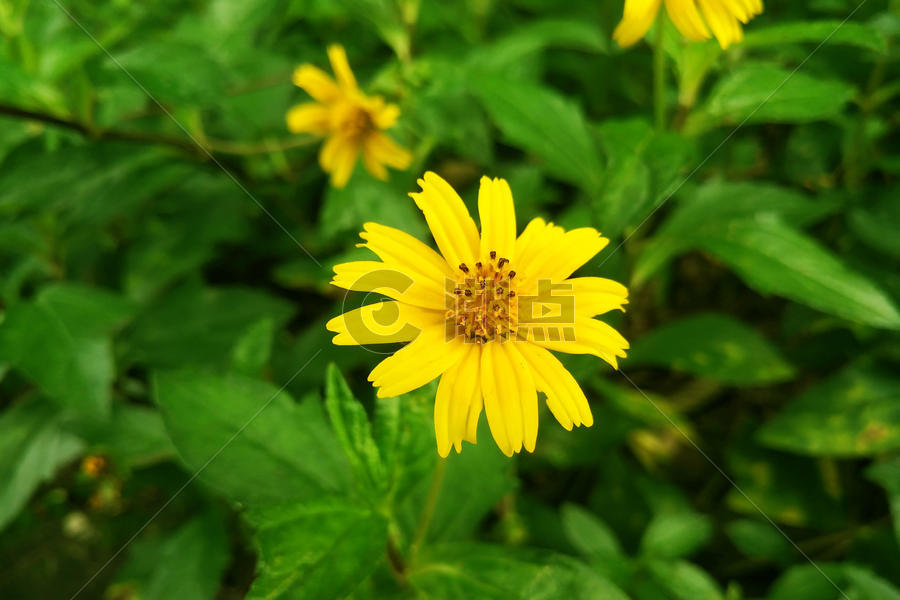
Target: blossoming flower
352 122
723 17
482 315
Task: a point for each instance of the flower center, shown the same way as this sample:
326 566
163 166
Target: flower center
356 122
483 305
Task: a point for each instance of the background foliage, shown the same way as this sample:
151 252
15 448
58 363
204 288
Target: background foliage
152 305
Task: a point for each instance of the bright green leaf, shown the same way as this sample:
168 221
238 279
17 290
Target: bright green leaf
675 534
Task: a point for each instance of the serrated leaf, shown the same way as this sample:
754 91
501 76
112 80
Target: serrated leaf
715 346
318 549
351 426
465 571
252 442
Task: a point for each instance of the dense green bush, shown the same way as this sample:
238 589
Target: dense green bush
175 422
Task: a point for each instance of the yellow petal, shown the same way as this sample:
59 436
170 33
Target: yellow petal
526 393
316 82
390 280
384 322
585 336
384 115
636 21
338 157
564 396
494 375
398 247
498 219
382 149
596 295
725 26
341 68
687 19
450 223
558 255
459 393
417 363
537 236
310 117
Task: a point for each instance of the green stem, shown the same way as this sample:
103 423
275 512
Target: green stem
659 75
434 492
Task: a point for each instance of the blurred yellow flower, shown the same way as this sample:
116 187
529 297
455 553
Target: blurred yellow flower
483 314
724 18
352 122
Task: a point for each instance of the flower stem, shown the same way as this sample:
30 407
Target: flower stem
434 492
659 74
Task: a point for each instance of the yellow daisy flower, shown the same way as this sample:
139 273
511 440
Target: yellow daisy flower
352 122
723 17
482 315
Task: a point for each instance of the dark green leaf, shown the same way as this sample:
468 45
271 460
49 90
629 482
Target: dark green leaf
759 539
854 413
715 346
252 351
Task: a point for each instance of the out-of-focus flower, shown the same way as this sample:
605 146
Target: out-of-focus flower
483 315
93 466
693 18
352 122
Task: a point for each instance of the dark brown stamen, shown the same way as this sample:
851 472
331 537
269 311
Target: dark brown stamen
493 254
512 274
463 268
501 262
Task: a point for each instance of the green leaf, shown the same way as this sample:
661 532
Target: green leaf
758 539
539 120
134 437
32 447
351 425
854 413
869 586
775 258
813 32
194 324
192 561
319 549
887 474
715 346
685 581
642 167
252 442
877 224
87 311
807 582
767 93
465 571
252 351
175 72
531 38
675 534
363 199
590 536
76 372
713 206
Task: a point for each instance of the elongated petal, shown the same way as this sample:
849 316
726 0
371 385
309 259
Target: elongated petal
526 393
338 157
450 223
310 117
391 280
590 336
504 418
596 295
687 19
571 251
316 82
398 247
383 150
458 395
417 363
725 25
636 21
382 323
564 396
498 219
341 68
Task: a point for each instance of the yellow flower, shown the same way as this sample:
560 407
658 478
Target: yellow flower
483 315
353 122
724 18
